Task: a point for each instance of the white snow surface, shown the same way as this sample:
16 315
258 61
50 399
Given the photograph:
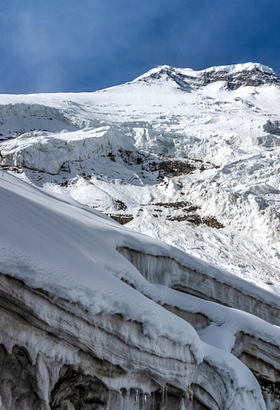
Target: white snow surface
51 242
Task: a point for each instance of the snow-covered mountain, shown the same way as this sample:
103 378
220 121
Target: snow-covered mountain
187 157
207 141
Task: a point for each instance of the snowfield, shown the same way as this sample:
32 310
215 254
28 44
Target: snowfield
188 158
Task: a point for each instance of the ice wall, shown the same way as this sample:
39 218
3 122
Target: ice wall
47 152
252 340
55 355
167 271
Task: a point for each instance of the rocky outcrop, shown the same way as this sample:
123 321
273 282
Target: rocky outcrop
245 78
233 79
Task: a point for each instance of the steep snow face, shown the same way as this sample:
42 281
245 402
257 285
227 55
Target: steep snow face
191 158
75 313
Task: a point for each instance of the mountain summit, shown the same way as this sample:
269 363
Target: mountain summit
233 76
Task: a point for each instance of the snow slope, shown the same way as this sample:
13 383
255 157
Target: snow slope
52 243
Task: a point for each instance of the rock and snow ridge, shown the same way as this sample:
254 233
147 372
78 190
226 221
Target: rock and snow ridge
233 76
188 157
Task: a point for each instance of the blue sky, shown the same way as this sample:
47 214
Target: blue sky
85 45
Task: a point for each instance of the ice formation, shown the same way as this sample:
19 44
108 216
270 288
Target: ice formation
96 315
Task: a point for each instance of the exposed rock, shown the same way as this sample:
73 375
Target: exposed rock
18 380
174 168
247 78
121 219
79 391
272 127
187 206
253 77
121 206
212 222
186 213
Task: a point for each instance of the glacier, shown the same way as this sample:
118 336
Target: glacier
98 315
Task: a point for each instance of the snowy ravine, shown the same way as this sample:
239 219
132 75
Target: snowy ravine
95 315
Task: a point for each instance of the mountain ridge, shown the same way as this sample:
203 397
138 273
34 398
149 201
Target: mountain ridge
235 76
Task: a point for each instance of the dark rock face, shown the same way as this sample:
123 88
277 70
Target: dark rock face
271 391
75 390
78 391
247 78
272 127
121 219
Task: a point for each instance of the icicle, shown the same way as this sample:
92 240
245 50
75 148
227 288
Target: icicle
164 397
182 405
108 407
128 400
147 401
110 376
122 400
137 397
111 364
